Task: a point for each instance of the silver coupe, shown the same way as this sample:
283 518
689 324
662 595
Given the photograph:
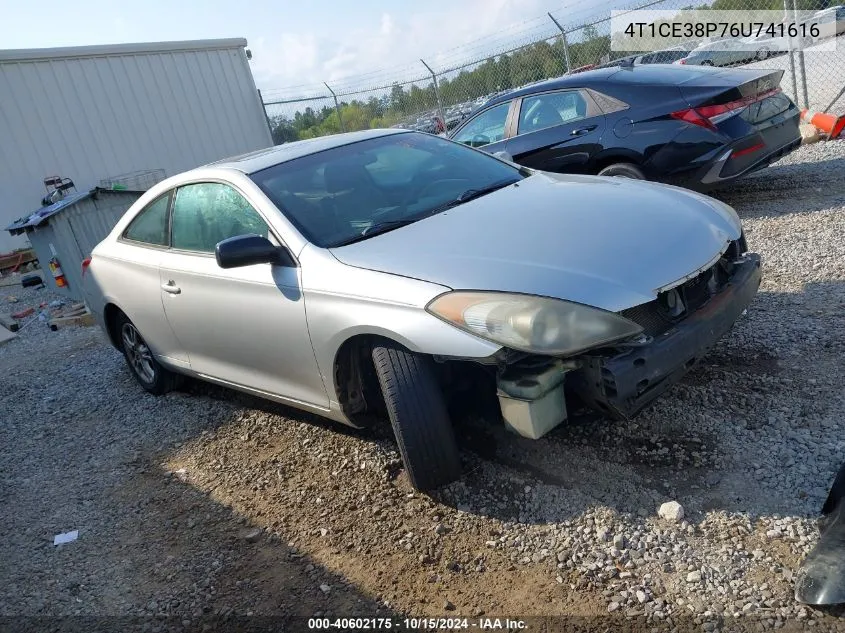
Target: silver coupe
369 276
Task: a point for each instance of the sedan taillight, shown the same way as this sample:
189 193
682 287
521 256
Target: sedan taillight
691 115
708 115
85 264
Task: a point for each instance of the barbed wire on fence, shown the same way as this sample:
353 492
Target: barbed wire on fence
442 89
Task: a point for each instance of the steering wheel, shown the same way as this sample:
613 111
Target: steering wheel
479 139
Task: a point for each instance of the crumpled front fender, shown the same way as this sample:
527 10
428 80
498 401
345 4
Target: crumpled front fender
821 578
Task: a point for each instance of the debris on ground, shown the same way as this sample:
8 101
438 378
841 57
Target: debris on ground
65 537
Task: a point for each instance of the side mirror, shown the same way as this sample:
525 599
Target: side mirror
246 250
503 155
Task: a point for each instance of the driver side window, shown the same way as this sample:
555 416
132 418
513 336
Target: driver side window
209 212
486 127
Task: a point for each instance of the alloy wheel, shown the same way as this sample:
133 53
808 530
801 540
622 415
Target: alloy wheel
139 355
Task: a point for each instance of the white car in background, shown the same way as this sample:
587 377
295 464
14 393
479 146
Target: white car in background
831 21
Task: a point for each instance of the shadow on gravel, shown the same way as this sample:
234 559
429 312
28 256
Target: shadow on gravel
154 552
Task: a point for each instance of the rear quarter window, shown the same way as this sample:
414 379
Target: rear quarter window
150 225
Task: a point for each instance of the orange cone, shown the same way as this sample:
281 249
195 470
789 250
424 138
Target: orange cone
827 123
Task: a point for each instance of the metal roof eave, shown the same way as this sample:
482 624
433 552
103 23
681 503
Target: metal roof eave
103 50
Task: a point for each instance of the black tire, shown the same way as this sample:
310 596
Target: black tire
624 170
153 377
706 62
417 410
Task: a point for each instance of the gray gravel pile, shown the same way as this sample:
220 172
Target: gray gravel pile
205 503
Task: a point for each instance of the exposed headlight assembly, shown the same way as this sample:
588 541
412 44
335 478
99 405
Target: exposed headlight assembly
538 325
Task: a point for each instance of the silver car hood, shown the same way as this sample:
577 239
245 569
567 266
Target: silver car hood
612 243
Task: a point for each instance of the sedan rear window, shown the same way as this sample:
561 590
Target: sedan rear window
353 191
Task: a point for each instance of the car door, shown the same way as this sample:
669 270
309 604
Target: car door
487 129
142 245
557 131
244 326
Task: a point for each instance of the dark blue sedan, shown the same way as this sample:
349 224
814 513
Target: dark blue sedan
695 127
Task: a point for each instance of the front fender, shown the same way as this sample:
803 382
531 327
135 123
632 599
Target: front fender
343 301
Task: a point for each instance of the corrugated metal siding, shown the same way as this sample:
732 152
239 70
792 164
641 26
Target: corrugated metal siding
76 231
87 118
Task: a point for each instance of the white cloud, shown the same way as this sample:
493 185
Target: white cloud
386 24
389 43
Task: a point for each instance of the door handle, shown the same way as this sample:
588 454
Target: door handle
583 130
171 287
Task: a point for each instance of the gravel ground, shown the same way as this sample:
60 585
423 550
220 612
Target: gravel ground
206 504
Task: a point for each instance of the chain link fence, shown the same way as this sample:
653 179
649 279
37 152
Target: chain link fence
435 95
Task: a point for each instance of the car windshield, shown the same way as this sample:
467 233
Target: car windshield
353 192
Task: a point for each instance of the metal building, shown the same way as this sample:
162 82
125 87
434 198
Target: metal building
93 112
67 231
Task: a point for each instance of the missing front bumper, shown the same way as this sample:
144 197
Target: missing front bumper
622 385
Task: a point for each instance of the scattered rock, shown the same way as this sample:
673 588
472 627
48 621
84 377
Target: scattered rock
694 576
251 534
671 511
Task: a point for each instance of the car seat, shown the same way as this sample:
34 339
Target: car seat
353 192
543 116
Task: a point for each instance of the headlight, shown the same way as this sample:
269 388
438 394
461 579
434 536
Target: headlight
538 325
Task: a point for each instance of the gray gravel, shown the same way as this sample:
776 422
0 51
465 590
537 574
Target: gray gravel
747 444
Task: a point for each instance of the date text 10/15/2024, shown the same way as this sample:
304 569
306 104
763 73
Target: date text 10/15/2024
416 624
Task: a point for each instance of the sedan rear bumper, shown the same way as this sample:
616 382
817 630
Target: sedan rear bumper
622 385
718 171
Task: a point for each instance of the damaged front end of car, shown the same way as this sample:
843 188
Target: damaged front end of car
649 347
679 326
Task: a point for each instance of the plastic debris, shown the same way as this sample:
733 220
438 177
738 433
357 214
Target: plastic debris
65 537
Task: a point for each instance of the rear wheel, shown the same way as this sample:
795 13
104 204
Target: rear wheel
417 410
146 369
624 170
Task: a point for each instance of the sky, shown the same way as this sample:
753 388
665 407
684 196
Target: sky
297 45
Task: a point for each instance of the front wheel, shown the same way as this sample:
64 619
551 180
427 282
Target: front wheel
623 170
417 410
147 370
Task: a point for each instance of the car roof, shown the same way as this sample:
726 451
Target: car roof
579 80
639 74
264 158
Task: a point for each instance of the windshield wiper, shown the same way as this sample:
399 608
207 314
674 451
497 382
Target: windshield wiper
472 194
377 229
